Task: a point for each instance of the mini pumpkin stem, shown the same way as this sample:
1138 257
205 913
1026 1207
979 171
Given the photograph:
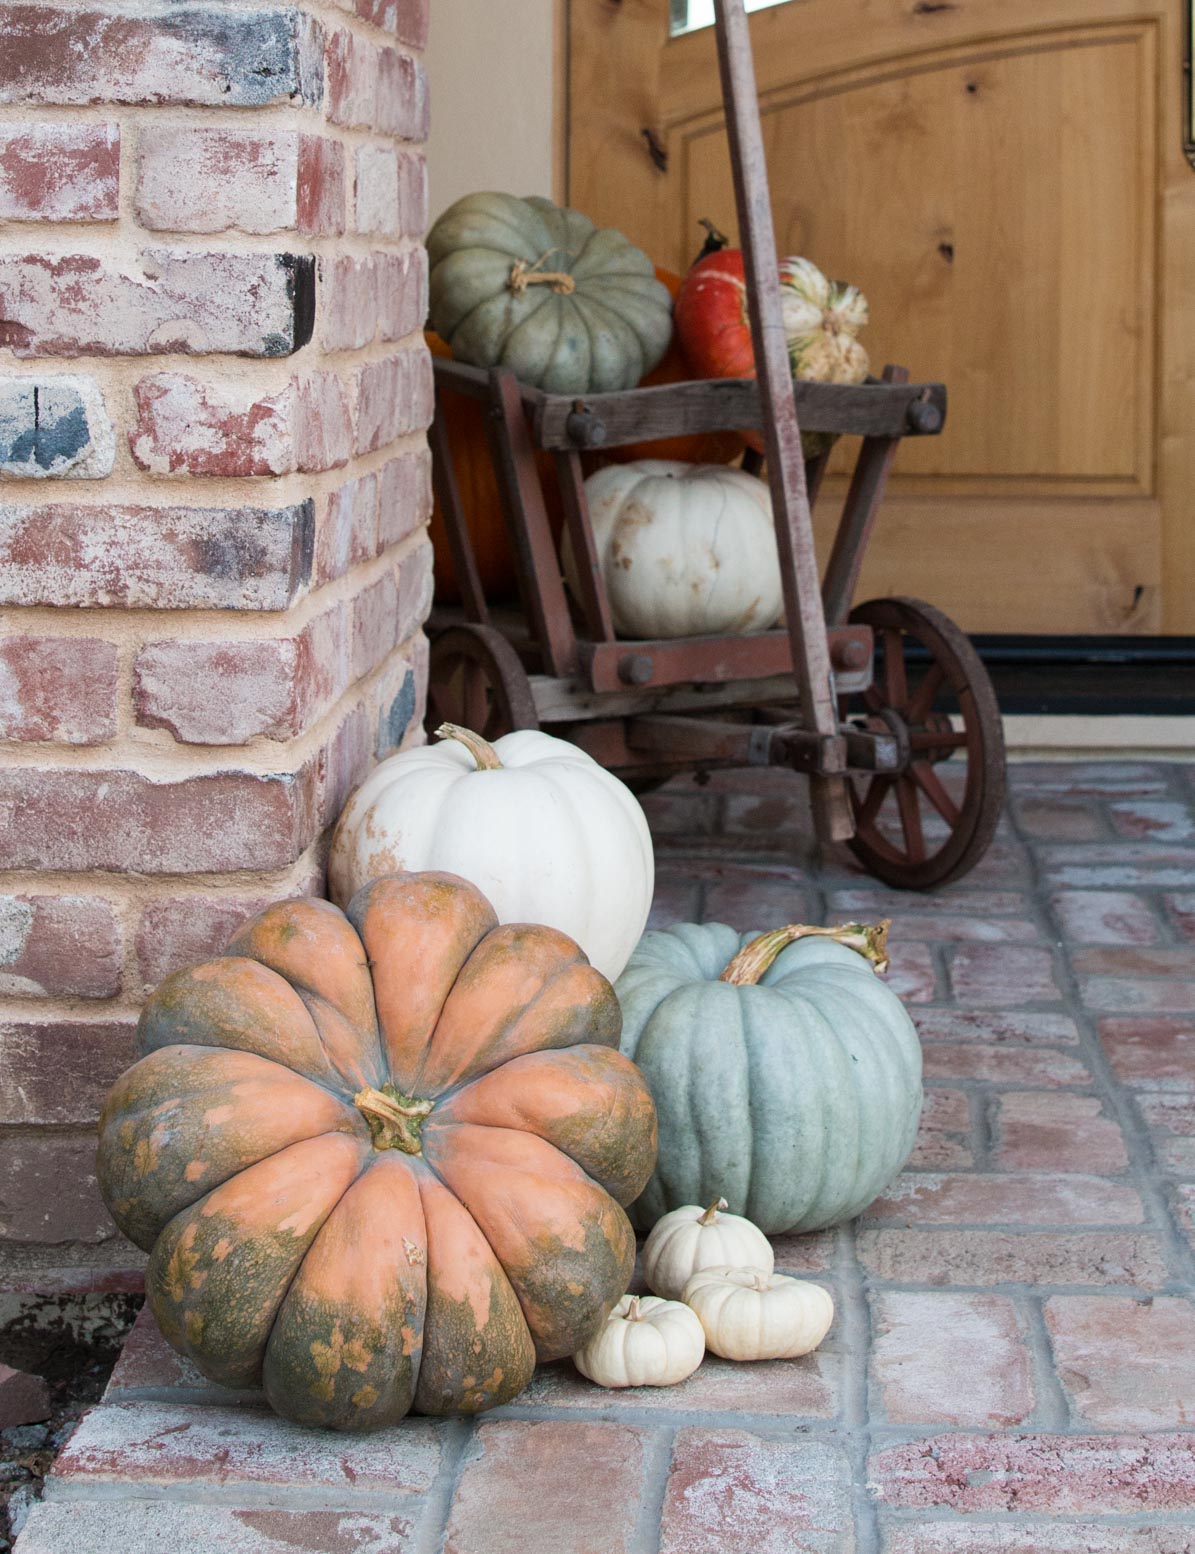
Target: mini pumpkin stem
523 275
871 941
633 1314
480 749
712 1212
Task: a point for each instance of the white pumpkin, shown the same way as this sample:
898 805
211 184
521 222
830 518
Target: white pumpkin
644 1342
754 1314
692 1238
685 549
544 832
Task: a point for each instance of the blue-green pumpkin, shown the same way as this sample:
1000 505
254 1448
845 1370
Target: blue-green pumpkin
788 1083
525 284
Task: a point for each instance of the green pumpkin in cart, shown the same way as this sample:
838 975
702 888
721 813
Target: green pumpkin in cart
786 1075
569 307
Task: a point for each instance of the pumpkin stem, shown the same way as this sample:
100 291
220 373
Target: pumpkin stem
754 959
480 749
393 1118
715 241
633 1314
523 275
712 1212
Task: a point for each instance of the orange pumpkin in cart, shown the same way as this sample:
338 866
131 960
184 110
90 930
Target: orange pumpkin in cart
465 421
379 1160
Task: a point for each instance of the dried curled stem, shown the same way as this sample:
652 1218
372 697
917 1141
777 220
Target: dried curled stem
480 749
523 275
870 941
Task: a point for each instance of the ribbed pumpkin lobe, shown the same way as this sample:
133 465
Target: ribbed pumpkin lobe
394 1119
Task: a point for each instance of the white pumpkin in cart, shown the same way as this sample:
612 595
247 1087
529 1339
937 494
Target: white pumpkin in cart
686 550
543 831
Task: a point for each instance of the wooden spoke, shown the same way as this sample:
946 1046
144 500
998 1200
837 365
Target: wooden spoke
930 784
873 802
923 739
973 737
910 819
896 689
923 697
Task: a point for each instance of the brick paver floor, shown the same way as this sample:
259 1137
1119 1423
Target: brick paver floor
1012 1365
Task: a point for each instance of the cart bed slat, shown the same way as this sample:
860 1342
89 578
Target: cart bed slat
711 660
872 409
683 409
570 701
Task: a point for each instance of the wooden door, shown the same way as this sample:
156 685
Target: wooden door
1006 181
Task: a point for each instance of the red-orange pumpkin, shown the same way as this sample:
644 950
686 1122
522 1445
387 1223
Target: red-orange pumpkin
712 322
711 316
378 1159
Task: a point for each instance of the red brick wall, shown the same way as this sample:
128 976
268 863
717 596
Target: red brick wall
213 490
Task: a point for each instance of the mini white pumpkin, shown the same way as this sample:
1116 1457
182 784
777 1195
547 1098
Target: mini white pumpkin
685 549
754 1314
644 1342
546 834
692 1238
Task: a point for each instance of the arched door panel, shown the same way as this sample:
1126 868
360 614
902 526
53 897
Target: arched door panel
1006 183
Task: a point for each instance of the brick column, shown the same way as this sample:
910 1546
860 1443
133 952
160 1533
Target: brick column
213 489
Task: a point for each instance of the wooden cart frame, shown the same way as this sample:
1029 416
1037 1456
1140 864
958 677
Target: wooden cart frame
874 687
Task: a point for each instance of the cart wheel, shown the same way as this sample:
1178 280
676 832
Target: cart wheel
476 679
923 825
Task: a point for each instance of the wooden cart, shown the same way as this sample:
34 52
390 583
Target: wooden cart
885 706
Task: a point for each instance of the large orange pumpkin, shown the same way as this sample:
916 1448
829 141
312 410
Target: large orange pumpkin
378 1159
